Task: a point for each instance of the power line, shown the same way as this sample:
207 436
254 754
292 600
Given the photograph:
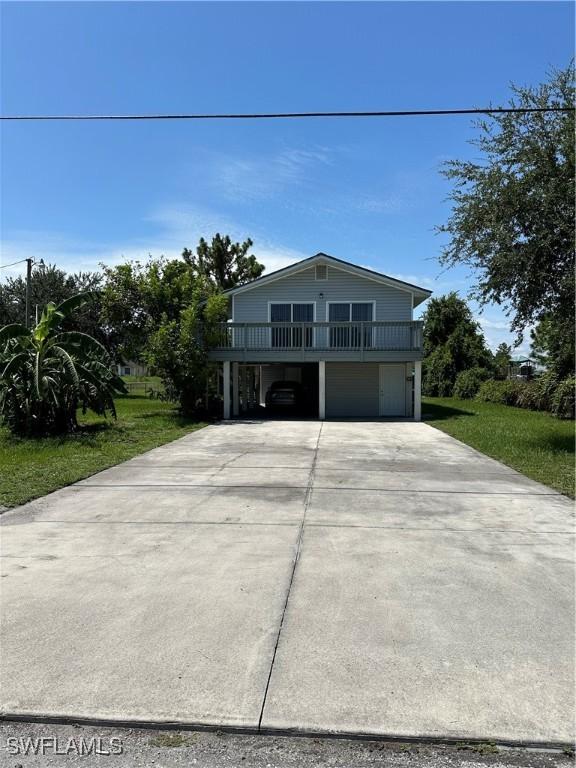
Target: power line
5 266
285 115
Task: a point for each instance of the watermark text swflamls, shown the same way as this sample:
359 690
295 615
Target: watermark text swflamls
52 745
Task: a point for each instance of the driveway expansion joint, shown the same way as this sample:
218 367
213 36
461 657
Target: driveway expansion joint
307 500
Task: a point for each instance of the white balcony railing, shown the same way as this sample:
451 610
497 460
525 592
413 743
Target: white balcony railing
355 336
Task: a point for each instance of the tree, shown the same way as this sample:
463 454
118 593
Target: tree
222 263
136 297
177 351
453 342
49 283
553 345
513 212
502 360
47 373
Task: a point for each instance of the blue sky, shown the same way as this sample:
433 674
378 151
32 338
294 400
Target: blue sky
368 191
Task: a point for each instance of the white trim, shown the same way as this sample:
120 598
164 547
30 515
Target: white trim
322 389
226 388
417 390
305 264
233 309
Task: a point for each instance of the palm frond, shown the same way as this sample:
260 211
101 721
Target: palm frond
13 331
37 377
83 342
74 302
68 363
13 364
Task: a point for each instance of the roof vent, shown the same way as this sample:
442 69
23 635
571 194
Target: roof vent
321 272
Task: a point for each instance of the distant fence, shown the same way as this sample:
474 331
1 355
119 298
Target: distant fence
145 388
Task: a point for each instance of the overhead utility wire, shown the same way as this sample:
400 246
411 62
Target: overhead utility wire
5 266
283 115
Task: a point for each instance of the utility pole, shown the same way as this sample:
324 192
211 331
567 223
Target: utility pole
28 290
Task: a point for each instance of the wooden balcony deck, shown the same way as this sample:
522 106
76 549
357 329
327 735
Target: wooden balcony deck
263 342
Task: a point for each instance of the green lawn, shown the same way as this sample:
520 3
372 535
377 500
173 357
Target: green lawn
534 443
34 467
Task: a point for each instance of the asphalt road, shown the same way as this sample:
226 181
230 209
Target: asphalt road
202 749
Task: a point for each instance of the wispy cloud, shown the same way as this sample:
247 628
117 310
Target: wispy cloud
439 285
178 226
264 177
486 323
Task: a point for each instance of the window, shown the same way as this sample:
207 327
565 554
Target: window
291 313
352 335
127 371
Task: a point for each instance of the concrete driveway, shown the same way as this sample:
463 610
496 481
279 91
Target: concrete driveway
366 578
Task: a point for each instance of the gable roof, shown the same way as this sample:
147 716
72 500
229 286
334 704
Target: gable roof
418 294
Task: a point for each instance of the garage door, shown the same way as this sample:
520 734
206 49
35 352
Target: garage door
352 390
365 390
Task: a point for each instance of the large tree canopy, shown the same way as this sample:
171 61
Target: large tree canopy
513 210
223 263
453 343
137 296
50 284
552 345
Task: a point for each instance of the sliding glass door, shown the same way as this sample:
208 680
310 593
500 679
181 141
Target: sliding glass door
287 336
348 336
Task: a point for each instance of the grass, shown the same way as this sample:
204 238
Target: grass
33 467
534 443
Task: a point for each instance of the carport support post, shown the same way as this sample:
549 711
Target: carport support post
322 389
417 390
235 389
226 387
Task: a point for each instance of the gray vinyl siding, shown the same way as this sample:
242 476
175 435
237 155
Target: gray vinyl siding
391 303
352 390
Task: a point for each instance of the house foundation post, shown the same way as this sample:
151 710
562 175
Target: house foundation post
226 387
417 390
322 390
235 389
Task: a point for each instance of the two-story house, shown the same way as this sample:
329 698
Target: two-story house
344 331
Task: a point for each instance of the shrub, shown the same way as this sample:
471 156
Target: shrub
563 399
468 382
543 394
527 395
438 372
503 392
47 373
545 387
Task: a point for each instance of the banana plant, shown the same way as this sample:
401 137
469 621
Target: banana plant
47 373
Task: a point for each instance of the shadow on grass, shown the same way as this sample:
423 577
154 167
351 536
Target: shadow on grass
171 418
437 412
556 443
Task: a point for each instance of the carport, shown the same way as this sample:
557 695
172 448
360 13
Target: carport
331 388
251 381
